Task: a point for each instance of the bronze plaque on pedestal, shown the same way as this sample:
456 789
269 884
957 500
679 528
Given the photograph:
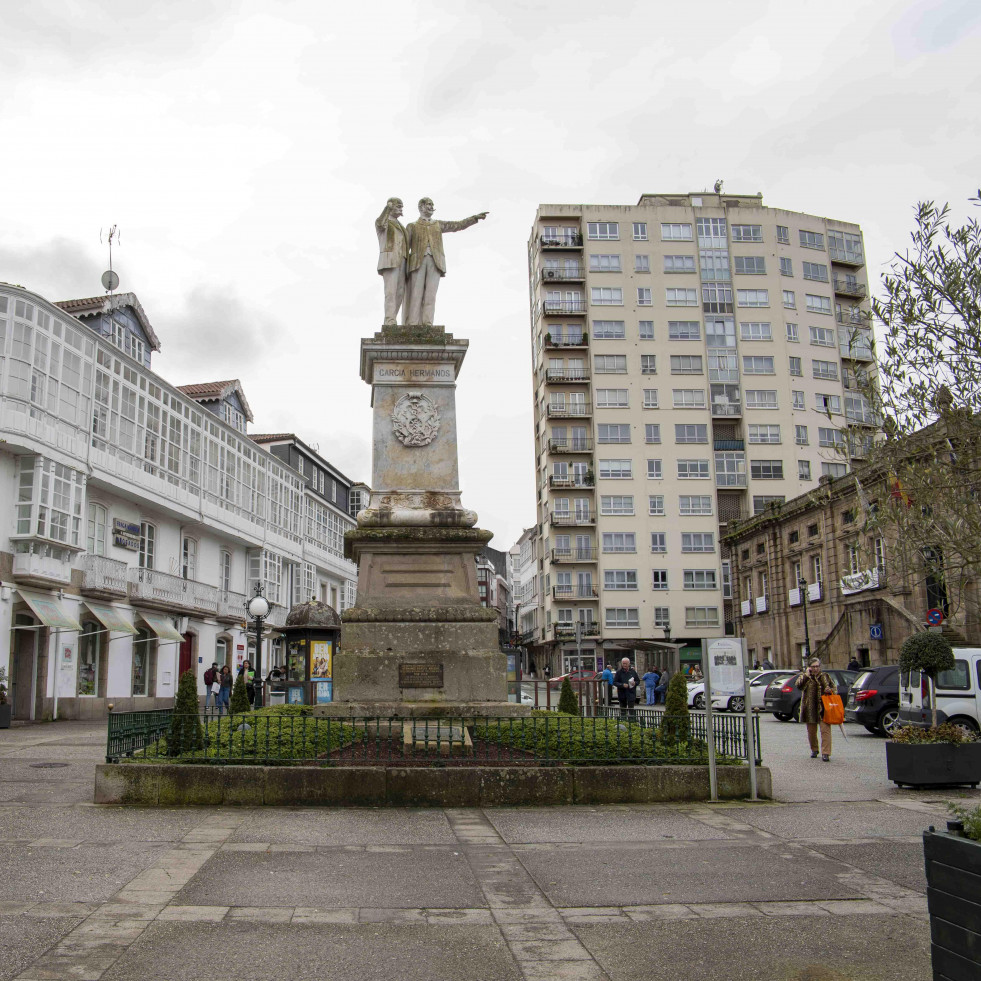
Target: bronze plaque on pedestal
420 676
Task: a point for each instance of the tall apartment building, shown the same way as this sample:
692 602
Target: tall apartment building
695 358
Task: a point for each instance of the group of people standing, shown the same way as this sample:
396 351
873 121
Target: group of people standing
218 685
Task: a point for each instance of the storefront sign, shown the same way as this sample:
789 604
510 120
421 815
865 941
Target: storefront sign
125 534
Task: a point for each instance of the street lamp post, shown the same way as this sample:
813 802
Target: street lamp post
802 586
258 609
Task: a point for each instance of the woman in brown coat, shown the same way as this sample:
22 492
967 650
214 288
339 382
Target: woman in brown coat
813 683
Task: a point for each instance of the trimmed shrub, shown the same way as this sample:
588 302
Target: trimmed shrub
240 697
568 702
676 722
551 735
927 653
186 735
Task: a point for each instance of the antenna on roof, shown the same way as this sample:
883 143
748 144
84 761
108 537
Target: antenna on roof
109 279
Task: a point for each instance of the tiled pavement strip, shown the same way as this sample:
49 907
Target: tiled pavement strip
540 936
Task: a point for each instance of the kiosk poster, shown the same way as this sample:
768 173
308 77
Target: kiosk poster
321 653
324 691
725 664
294 694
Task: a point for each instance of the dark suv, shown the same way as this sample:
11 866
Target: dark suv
873 699
782 698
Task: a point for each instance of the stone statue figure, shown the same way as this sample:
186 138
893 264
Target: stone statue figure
393 251
427 264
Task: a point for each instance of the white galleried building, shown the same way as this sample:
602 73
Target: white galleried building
137 515
695 360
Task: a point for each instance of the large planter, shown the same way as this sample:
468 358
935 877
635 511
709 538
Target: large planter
953 873
933 764
5 710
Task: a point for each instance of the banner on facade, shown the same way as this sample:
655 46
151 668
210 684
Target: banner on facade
859 582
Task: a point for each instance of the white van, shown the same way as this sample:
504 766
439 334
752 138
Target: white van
958 693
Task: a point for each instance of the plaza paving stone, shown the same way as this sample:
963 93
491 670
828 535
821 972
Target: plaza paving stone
342 826
23 939
900 862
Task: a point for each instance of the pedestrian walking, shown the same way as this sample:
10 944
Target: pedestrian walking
651 679
548 673
813 684
246 669
767 664
626 682
854 664
210 676
224 689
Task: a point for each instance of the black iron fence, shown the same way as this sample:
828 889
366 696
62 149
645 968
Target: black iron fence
293 735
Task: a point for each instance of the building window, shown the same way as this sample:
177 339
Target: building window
644 296
749 265
753 298
652 432
688 398
684 330
89 658
662 616
225 570
679 263
698 541
831 438
144 662
610 364
766 469
695 504
655 504
757 365
811 240
793 333
659 578
818 304
648 364
620 541
609 330
650 398
608 296
790 299
681 298
701 616
686 364
714 265
96 538
816 271
822 336
642 263
659 542
746 233
621 616
646 329
800 435
828 404
764 433
654 470
755 331
879 549
612 433
827 370
620 579
693 470
716 298
797 400
786 266
604 263
616 504
611 398
711 232
640 231
616 469
796 366
148 535
761 399
700 579
189 558
803 469
49 500
783 234
675 232
760 504
691 433
603 230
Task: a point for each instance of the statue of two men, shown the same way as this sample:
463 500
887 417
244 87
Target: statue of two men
411 261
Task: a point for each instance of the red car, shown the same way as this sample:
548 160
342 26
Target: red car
580 674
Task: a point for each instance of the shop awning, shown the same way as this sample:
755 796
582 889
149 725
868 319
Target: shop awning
161 626
48 610
110 618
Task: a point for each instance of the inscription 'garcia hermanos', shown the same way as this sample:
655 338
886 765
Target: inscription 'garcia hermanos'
409 373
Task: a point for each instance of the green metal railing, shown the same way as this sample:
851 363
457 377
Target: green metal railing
292 736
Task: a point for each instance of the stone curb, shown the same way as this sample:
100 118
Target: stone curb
369 786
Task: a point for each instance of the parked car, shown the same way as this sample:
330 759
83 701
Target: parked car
757 689
958 693
873 700
782 697
696 694
580 674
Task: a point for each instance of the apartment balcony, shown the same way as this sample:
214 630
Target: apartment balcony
43 565
574 555
848 287
569 240
160 589
566 519
577 480
101 577
855 318
577 592
727 408
575 410
577 307
231 606
566 375
567 631
730 444
277 615
568 272
579 445
847 257
855 347
575 339
730 480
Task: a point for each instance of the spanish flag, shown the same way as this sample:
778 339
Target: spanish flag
898 493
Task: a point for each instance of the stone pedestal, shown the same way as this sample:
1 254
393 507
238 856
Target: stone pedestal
418 640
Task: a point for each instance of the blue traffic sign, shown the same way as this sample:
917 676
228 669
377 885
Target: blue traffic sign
875 631
935 617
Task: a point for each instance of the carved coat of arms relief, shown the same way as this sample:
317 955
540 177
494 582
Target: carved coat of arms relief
415 419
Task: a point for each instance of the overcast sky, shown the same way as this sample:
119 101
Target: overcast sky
245 149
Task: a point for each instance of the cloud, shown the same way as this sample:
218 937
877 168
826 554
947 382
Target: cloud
59 269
